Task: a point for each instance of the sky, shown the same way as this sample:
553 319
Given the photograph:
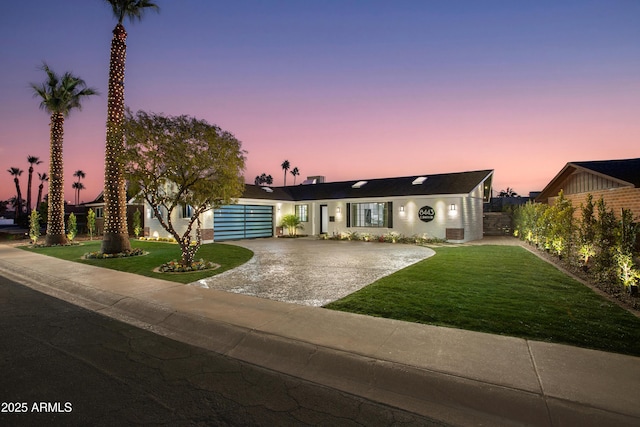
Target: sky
348 89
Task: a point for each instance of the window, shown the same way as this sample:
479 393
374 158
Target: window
302 212
369 215
99 212
187 211
160 214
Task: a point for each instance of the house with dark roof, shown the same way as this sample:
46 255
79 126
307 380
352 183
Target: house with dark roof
97 206
617 181
447 206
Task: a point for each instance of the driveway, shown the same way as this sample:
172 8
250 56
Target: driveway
312 272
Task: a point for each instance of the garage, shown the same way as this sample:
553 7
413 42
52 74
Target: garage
232 222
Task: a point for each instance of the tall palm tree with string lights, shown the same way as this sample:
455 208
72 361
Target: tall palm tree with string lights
15 173
58 95
32 161
116 234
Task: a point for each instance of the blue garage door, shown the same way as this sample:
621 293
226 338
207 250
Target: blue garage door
242 222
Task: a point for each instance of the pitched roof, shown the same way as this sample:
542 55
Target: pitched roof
252 191
449 183
625 171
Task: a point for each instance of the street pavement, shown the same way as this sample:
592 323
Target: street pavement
63 365
454 376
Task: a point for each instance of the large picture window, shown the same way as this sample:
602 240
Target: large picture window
369 215
302 212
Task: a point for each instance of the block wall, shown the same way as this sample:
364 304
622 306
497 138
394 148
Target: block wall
616 199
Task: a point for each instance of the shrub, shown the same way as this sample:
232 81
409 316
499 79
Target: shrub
100 255
72 227
627 274
605 236
137 228
292 222
174 266
34 226
91 223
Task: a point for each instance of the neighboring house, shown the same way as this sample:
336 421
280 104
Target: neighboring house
98 207
447 206
617 181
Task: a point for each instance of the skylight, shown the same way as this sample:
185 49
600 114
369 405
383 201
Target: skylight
358 184
268 189
419 180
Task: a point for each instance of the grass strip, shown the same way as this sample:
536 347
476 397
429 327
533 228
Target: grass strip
228 256
500 290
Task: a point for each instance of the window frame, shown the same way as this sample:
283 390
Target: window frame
298 212
187 211
361 215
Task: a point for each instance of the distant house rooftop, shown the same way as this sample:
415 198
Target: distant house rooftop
612 173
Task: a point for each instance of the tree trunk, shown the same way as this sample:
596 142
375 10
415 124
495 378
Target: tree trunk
187 252
18 197
116 234
40 187
29 190
55 217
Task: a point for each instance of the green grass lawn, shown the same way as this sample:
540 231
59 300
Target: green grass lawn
228 256
500 290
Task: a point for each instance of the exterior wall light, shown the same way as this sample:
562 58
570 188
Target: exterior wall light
338 210
452 207
402 208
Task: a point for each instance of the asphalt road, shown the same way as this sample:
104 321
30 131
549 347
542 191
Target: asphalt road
64 365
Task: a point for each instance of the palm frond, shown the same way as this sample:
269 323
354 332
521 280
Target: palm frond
132 9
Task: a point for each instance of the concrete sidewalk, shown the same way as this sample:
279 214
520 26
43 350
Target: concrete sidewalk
459 377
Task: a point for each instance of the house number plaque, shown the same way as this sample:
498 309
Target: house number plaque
426 214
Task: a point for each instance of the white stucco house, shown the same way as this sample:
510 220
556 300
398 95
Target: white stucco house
447 206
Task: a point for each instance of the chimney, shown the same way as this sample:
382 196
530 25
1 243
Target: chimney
319 179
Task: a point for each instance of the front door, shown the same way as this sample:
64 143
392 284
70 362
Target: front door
324 219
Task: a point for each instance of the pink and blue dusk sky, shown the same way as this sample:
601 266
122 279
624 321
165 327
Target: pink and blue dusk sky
349 89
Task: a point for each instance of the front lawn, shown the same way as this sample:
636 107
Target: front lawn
500 290
228 256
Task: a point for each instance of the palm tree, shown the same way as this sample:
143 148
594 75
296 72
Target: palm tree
116 235
78 185
32 161
43 177
263 179
16 172
285 167
295 172
59 96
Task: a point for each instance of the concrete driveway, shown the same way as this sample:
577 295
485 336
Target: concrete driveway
312 272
